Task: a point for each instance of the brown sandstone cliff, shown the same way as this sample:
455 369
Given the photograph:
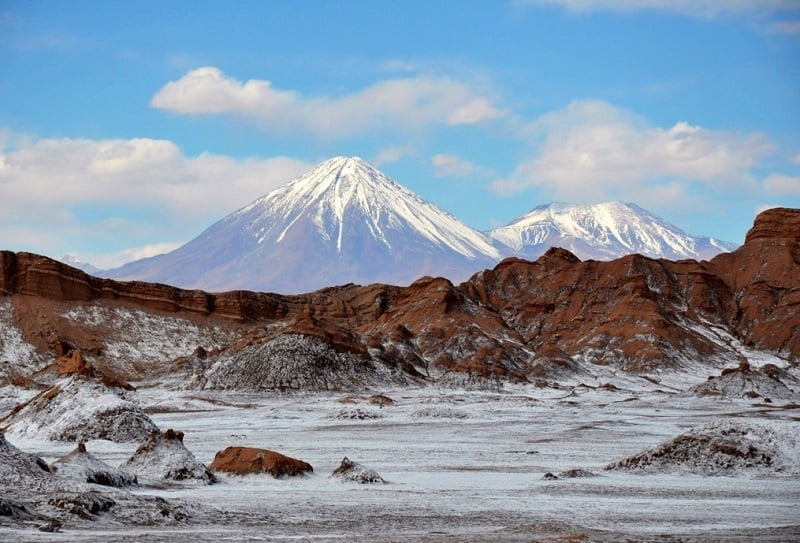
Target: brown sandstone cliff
521 320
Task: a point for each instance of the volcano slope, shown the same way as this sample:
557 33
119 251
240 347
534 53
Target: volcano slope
554 319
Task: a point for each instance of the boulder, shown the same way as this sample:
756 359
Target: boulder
354 472
247 460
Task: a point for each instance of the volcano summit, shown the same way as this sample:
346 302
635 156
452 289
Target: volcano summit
342 222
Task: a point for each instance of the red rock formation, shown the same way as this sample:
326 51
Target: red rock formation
764 277
248 460
73 363
635 313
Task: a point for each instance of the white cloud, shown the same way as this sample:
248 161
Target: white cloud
694 8
59 193
777 183
785 27
445 165
393 153
141 171
116 259
764 207
396 104
593 151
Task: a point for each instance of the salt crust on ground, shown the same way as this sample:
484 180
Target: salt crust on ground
31 496
163 457
291 362
82 465
768 382
727 447
77 409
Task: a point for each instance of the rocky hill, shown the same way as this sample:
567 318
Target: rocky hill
525 321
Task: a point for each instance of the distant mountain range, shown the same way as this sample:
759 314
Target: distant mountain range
346 222
603 232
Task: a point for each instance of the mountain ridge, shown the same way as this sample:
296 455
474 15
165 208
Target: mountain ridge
603 231
554 318
344 221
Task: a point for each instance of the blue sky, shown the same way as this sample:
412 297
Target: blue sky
128 128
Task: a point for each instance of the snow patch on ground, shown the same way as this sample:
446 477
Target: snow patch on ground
474 479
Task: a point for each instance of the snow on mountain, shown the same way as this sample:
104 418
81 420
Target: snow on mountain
342 222
603 232
83 266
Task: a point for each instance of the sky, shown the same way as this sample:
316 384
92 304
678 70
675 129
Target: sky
127 128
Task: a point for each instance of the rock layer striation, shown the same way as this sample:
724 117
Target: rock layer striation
522 320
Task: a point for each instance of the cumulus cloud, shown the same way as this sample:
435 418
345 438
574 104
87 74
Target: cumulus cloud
694 8
445 165
393 153
138 171
82 189
785 27
764 207
777 183
118 258
397 104
593 150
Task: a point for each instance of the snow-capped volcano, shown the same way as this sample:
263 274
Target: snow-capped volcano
603 232
342 222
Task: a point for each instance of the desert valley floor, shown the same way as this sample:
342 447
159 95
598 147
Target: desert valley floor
463 466
558 400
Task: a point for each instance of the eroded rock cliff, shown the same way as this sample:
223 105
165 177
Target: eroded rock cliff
522 320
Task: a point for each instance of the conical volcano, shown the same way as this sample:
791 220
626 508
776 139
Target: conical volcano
342 222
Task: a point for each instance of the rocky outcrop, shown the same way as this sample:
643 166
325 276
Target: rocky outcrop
78 409
354 472
250 460
521 321
720 448
763 276
83 466
79 406
768 383
28 274
32 495
164 457
288 362
18 465
73 363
